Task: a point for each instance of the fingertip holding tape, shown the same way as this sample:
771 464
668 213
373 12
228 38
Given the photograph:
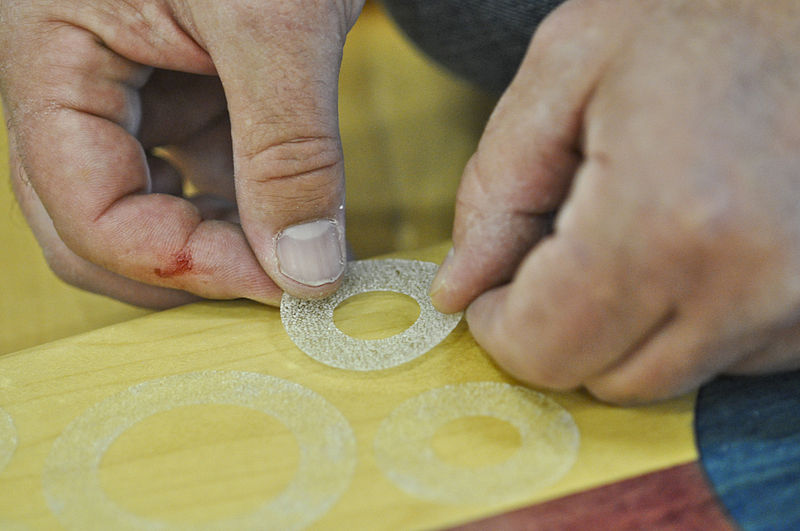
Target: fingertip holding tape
310 325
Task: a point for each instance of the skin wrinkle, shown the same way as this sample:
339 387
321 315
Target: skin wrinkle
477 218
77 99
139 23
126 114
116 35
323 152
498 227
147 17
34 143
658 327
184 18
106 64
309 190
297 175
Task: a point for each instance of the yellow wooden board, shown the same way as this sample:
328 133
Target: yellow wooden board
189 463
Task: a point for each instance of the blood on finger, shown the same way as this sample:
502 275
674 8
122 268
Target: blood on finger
182 264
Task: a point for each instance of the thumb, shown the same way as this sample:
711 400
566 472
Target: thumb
279 61
521 172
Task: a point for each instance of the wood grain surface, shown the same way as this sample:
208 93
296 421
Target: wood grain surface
74 402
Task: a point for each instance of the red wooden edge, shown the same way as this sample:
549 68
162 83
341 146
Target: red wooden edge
674 498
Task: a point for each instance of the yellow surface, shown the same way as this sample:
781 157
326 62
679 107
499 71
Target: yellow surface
407 129
193 464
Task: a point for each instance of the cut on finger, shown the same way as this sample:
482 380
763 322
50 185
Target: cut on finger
76 271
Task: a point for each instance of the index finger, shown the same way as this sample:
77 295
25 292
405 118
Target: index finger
578 304
92 177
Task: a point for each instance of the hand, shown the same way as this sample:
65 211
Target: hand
666 137
91 88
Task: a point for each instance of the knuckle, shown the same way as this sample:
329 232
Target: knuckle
622 393
549 373
291 158
638 387
703 224
65 76
532 361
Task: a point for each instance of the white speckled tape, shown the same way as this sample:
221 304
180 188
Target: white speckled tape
310 325
548 449
327 451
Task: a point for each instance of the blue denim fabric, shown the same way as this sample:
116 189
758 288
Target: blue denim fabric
748 434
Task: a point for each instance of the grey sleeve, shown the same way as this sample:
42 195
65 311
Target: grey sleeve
482 41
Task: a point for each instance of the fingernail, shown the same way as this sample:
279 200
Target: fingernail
441 276
311 253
